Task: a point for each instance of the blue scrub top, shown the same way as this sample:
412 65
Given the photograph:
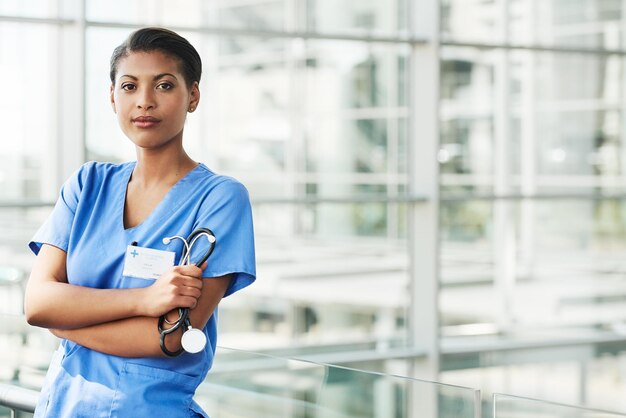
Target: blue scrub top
88 223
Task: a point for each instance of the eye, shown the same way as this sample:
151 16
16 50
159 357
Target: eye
165 86
128 87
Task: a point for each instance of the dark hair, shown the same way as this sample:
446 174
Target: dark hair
165 41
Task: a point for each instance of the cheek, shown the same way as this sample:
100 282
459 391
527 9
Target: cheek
179 109
121 113
122 108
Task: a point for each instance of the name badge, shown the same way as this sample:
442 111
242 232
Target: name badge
147 263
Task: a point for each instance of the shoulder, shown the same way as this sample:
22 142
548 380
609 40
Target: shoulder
219 184
220 191
96 172
95 168
92 175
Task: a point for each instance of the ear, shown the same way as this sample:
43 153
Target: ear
194 97
112 95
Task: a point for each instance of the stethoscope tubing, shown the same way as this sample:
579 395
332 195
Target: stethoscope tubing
183 318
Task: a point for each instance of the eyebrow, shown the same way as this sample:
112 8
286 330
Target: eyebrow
156 77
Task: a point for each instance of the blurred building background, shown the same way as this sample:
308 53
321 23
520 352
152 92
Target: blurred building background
439 187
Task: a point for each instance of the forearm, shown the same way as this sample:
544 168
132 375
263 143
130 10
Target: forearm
65 306
51 302
133 337
139 336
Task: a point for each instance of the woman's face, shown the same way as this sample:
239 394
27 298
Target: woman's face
151 99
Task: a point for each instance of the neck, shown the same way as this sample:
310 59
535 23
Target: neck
156 167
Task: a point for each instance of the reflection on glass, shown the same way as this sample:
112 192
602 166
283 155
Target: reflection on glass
319 291
573 117
467 76
38 8
29 89
372 17
581 24
252 15
560 123
472 20
466 154
278 387
466 148
567 265
134 11
505 406
259 14
347 146
18 225
589 375
343 75
567 124
248 101
401 146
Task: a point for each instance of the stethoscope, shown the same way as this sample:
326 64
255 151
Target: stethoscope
193 339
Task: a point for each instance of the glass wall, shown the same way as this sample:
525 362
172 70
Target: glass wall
532 142
532 186
317 106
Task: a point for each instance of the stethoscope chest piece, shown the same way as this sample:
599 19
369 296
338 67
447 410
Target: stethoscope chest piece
193 340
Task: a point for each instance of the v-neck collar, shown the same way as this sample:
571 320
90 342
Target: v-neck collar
169 201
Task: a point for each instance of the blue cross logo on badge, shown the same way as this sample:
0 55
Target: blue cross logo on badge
134 253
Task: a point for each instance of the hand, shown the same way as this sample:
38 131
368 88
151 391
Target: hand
180 287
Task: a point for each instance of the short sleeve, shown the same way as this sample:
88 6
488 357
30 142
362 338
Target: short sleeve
227 212
57 228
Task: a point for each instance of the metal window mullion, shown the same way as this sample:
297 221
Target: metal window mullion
36 20
423 229
424 217
264 33
82 81
392 81
295 154
535 48
50 177
504 239
528 152
71 98
623 98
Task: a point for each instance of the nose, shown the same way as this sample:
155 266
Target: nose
145 99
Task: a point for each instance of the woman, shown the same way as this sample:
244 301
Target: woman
110 362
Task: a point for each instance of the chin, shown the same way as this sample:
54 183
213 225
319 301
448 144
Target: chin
152 144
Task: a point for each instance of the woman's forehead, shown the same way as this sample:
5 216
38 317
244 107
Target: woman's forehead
148 63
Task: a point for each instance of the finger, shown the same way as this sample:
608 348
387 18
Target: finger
187 302
192 282
183 278
190 270
194 292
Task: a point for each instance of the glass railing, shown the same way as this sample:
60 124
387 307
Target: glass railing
245 384
507 406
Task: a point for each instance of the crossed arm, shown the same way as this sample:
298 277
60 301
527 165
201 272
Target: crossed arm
121 322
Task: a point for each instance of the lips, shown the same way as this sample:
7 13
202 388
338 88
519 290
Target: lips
145 121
